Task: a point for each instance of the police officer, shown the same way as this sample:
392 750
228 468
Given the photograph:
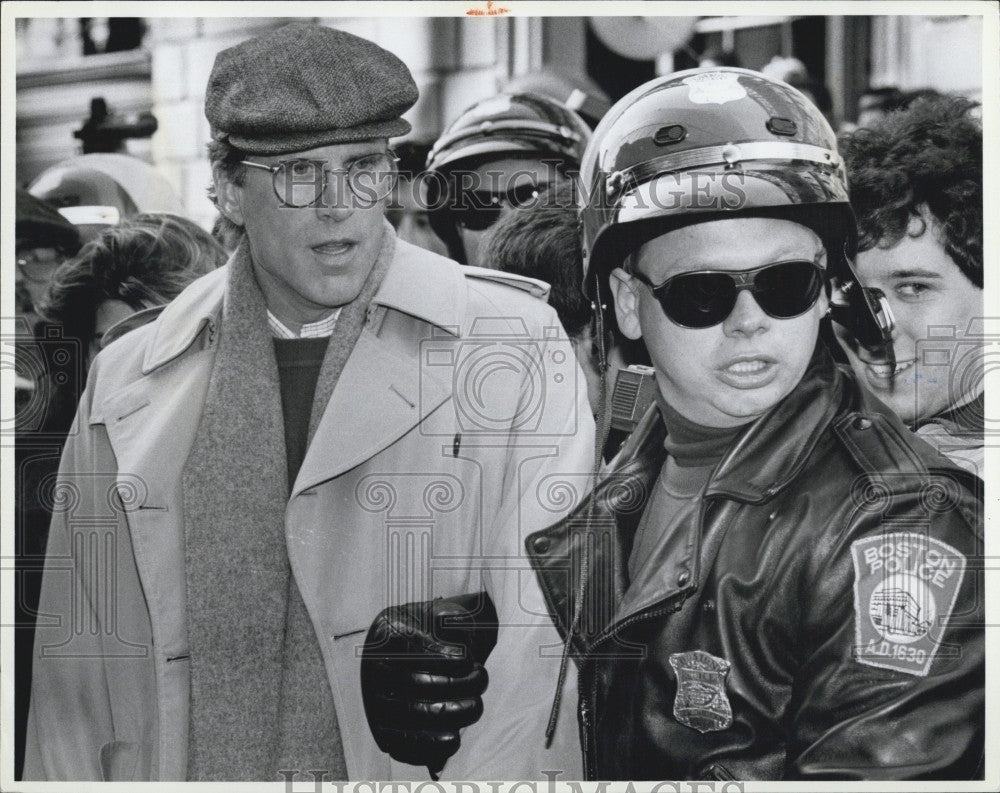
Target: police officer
775 580
499 154
787 587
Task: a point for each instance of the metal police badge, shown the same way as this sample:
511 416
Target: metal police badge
701 701
714 88
905 586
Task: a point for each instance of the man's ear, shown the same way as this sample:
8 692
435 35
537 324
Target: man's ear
623 288
823 302
228 197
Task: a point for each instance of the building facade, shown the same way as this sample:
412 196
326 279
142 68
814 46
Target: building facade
161 66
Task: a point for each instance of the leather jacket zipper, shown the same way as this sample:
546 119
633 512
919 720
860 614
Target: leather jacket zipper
586 727
587 703
675 601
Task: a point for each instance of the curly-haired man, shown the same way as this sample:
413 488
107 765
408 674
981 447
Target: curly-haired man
916 184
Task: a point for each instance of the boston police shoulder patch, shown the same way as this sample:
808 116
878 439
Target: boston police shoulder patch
905 586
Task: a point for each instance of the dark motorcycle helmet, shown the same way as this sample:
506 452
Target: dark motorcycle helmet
572 89
706 144
95 191
524 125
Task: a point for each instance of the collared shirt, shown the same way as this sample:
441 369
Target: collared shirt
311 330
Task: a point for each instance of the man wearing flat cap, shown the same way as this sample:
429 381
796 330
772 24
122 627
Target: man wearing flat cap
333 423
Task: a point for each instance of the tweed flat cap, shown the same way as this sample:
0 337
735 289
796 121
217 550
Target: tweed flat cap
305 85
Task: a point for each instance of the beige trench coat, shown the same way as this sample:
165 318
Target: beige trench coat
440 450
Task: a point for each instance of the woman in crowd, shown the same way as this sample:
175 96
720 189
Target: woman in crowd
143 263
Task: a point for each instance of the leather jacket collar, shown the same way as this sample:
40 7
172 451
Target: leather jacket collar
601 530
771 453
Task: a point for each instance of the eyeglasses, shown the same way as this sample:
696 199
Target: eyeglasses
302 182
702 299
38 264
477 210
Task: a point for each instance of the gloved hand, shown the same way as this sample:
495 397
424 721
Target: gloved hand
422 675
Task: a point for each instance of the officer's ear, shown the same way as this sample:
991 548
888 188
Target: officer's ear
228 196
623 287
823 303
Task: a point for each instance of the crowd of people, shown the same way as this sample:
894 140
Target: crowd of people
334 485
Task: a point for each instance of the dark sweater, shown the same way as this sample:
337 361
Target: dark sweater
299 362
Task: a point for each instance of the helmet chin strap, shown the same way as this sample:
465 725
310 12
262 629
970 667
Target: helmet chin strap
886 322
600 438
867 316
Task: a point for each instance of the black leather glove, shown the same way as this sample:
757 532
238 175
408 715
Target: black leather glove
422 675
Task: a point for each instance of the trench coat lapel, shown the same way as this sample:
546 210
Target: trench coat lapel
381 395
382 392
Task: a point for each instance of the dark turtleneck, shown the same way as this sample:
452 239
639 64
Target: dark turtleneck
694 445
693 453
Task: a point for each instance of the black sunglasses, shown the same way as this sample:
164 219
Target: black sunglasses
702 299
477 210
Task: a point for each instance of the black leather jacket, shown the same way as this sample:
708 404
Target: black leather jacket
836 669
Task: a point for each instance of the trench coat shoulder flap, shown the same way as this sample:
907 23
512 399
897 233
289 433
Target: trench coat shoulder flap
130 323
185 317
384 390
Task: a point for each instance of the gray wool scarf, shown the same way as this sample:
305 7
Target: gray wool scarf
260 697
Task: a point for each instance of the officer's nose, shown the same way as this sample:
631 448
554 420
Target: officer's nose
747 318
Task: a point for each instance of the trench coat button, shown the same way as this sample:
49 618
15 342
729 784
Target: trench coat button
708 605
541 544
683 578
862 423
